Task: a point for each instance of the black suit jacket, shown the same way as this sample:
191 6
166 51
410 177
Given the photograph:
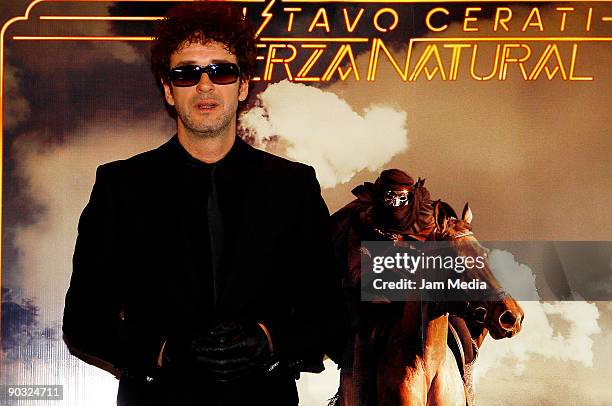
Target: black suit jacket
133 279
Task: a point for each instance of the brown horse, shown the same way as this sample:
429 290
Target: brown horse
400 354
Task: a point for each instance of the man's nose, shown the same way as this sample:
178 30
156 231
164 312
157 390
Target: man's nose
205 84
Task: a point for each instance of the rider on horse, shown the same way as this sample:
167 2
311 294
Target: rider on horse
394 208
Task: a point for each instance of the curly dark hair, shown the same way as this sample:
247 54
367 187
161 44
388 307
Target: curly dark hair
202 22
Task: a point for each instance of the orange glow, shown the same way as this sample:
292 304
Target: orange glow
377 45
430 1
573 66
499 21
467 19
534 15
502 58
335 64
324 23
453 72
312 39
314 57
78 38
564 11
99 18
493 69
507 59
430 50
351 27
589 19
551 49
268 16
486 39
273 59
431 13
393 24
291 11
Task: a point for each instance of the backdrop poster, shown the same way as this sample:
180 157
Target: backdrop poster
505 105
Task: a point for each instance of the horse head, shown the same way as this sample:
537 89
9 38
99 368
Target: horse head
495 311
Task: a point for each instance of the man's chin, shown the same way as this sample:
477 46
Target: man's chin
208 133
207 130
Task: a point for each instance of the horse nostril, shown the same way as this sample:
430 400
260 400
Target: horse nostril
507 320
480 315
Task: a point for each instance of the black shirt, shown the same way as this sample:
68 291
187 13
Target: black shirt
211 193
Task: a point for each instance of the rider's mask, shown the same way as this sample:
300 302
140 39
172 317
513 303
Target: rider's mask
397 198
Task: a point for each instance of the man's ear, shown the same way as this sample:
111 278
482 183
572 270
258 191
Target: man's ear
168 92
243 91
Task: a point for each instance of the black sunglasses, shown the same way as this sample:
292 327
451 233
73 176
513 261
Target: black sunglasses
218 73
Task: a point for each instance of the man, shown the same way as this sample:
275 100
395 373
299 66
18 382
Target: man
203 271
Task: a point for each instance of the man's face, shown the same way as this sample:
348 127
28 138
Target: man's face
205 109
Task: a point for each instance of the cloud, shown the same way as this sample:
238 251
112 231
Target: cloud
19 324
321 129
18 110
561 331
316 389
58 179
517 279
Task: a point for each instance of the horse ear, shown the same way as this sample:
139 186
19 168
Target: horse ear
439 216
466 214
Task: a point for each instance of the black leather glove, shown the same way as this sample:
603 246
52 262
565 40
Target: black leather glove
177 353
233 350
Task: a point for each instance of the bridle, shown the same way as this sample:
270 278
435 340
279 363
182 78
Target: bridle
477 313
472 312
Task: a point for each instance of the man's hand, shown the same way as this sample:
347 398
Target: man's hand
229 351
233 350
176 353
